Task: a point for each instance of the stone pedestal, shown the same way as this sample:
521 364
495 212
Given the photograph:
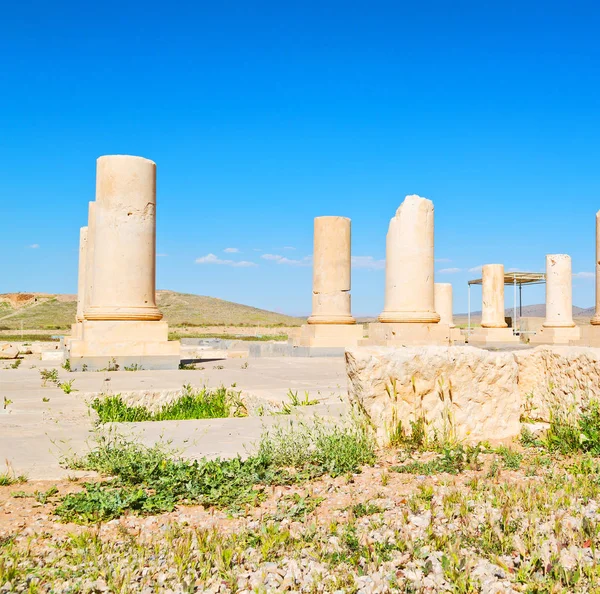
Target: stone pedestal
558 327
492 336
120 319
409 274
81 282
328 335
116 344
402 334
331 323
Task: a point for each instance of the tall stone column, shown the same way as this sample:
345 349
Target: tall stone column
494 329
89 257
492 290
443 303
409 273
81 280
559 296
124 240
596 319
331 272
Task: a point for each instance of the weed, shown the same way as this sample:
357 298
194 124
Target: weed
199 404
510 458
133 367
453 460
67 365
186 366
49 375
15 364
67 387
151 480
365 509
7 402
294 401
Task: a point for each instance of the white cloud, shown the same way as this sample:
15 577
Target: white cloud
257 250
34 246
584 275
231 251
283 260
449 270
476 268
212 259
442 260
367 262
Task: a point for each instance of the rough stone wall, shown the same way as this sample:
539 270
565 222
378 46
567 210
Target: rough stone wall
463 392
552 376
469 393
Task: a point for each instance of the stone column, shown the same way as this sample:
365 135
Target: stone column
409 281
492 289
443 303
124 240
81 280
89 257
596 319
331 272
559 296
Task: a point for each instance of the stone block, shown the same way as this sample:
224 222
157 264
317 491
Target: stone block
492 336
8 351
406 334
328 335
552 376
461 392
556 336
590 336
124 342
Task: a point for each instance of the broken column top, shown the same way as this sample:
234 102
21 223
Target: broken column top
414 202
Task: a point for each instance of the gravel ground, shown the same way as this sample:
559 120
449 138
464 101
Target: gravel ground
513 523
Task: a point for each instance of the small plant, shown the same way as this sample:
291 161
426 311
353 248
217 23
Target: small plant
67 387
294 401
7 402
44 399
218 367
15 364
67 365
43 496
49 375
453 460
10 478
510 458
365 509
186 366
245 365
133 367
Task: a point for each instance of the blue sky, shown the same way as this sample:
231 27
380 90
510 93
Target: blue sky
263 115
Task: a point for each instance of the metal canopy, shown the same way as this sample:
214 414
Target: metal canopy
516 279
519 278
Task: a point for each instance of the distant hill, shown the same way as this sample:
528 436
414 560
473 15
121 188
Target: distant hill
41 311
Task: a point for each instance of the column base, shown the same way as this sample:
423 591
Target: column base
407 334
492 336
557 335
130 314
106 344
590 336
456 336
76 333
327 335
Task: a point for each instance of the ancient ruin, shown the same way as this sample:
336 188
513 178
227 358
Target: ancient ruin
331 323
409 315
121 324
494 328
558 327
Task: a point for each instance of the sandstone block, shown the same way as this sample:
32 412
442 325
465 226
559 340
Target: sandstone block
461 392
8 351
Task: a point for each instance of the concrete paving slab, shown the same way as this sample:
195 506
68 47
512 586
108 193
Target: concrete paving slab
42 424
